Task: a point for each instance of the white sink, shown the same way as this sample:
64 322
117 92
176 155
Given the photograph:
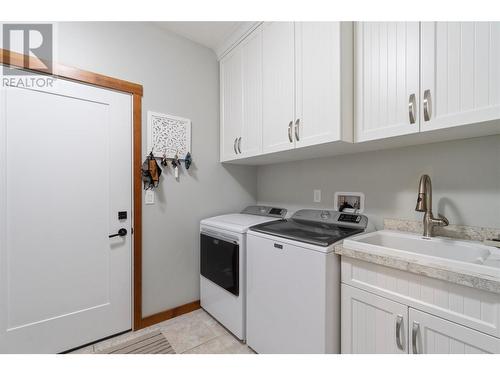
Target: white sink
466 255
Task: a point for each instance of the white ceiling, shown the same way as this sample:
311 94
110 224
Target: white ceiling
209 34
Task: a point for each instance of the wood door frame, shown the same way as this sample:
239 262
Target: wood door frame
20 61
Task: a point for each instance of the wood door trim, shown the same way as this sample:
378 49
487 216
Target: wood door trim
20 61
169 314
137 204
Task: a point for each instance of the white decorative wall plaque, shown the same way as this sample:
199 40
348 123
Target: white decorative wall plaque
168 135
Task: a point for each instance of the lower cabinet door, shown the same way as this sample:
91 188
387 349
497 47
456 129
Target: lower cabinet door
372 324
432 335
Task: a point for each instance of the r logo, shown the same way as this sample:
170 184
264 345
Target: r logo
31 40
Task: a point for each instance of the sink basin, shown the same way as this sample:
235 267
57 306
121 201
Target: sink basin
469 255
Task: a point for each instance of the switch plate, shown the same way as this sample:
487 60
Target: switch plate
317 195
149 197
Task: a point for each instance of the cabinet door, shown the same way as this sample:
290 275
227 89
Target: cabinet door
319 81
231 103
278 86
432 335
372 324
387 79
460 73
250 143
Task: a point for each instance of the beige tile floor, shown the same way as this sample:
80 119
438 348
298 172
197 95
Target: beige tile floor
192 333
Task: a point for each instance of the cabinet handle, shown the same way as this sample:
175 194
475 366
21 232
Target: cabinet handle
290 131
427 105
239 145
399 326
411 108
414 334
234 146
297 124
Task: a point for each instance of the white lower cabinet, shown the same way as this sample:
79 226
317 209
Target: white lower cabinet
372 324
384 310
430 334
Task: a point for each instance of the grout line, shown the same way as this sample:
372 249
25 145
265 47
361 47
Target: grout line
205 342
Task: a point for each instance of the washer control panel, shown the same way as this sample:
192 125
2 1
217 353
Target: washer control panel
349 218
265 211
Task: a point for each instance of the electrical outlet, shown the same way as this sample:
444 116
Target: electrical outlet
317 195
149 197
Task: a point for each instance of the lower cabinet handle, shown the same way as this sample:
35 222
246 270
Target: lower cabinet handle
297 124
290 131
234 146
414 333
239 145
399 327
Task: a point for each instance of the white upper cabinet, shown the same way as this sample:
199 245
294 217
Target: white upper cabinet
323 71
231 104
387 79
460 73
287 85
278 86
250 143
241 99
298 85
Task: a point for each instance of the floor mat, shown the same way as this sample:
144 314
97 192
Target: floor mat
150 343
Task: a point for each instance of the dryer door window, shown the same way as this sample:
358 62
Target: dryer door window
219 262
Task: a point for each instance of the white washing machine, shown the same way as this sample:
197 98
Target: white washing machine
223 264
293 282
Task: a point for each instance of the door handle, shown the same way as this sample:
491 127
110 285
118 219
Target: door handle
414 334
239 145
122 232
399 326
427 105
411 108
290 131
297 124
234 145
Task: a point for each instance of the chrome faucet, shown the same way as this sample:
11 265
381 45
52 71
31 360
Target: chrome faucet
424 204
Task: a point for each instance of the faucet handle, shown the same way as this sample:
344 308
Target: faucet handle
442 221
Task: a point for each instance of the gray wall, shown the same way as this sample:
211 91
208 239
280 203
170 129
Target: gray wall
180 78
465 176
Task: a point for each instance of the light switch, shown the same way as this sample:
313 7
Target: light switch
149 197
317 195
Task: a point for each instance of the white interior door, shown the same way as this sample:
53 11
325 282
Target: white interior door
387 79
278 85
460 73
65 173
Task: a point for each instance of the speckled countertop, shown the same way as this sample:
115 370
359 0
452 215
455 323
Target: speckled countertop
436 271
